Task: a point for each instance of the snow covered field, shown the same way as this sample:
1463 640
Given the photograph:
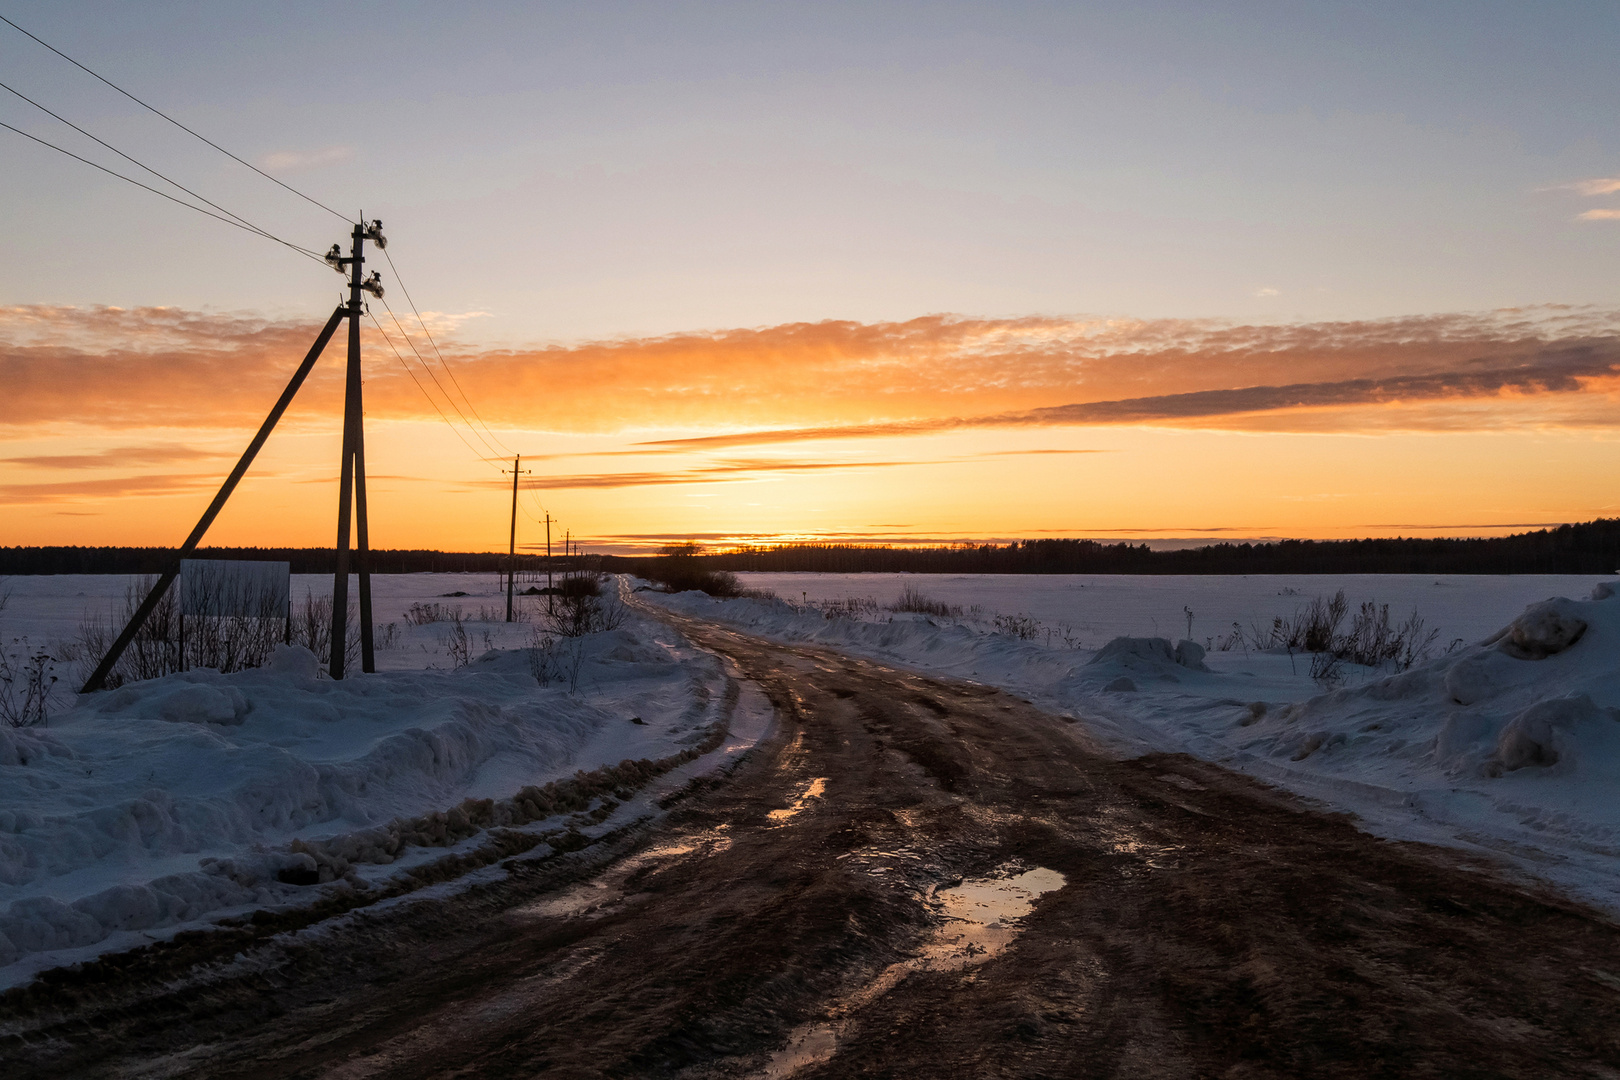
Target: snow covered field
1100 607
169 803
163 805
1503 749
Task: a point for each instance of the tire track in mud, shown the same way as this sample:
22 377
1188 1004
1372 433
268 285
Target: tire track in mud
810 916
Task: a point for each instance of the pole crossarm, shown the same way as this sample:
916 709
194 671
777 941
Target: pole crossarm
98 678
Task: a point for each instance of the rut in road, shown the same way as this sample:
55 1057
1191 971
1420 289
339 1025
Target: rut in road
769 925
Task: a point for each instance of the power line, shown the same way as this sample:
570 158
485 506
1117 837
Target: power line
487 445
533 498
442 362
262 232
179 202
536 500
171 119
425 394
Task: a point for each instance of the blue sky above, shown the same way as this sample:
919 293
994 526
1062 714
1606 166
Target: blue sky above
590 171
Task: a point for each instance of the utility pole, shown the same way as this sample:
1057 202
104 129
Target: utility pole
352 474
511 546
550 594
351 483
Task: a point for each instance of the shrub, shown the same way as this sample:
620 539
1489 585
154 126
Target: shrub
1022 627
27 683
912 599
1372 640
851 607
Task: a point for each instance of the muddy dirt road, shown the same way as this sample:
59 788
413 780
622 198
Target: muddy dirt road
846 904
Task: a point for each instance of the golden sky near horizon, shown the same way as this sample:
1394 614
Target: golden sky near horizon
118 426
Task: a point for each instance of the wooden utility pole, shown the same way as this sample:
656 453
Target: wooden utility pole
351 481
352 475
550 594
511 545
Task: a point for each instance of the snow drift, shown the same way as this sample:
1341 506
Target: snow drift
165 802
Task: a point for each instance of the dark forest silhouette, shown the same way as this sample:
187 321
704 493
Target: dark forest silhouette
1589 548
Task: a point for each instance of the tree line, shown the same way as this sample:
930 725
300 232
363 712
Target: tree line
1588 548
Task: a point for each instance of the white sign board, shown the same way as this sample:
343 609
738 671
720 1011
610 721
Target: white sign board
228 587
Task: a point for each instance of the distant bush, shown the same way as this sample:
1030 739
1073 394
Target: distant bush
678 570
1372 640
851 607
585 584
912 599
1022 627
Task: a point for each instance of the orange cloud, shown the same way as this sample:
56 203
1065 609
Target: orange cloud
116 456
117 368
109 488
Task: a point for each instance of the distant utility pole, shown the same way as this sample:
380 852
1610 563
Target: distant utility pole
352 475
511 547
549 592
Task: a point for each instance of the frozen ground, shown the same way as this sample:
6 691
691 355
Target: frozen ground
165 804
1510 750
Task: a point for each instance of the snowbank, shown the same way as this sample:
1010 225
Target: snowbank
165 802
1510 746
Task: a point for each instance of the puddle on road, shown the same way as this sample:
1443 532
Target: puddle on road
817 788
984 914
607 889
982 918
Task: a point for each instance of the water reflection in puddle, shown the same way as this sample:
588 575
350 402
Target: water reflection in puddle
982 917
817 788
607 889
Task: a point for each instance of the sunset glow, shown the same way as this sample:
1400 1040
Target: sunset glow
754 282
935 430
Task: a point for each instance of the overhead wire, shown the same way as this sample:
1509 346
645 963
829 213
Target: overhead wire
266 233
544 512
428 368
442 362
535 499
400 357
170 119
229 217
164 194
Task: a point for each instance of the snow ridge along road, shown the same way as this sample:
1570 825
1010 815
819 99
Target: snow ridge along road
911 876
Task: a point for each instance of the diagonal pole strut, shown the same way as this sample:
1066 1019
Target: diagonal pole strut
98 678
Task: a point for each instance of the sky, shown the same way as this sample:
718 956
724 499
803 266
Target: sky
873 272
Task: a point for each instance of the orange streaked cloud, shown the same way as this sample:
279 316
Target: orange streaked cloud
936 427
132 368
108 487
737 470
155 454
